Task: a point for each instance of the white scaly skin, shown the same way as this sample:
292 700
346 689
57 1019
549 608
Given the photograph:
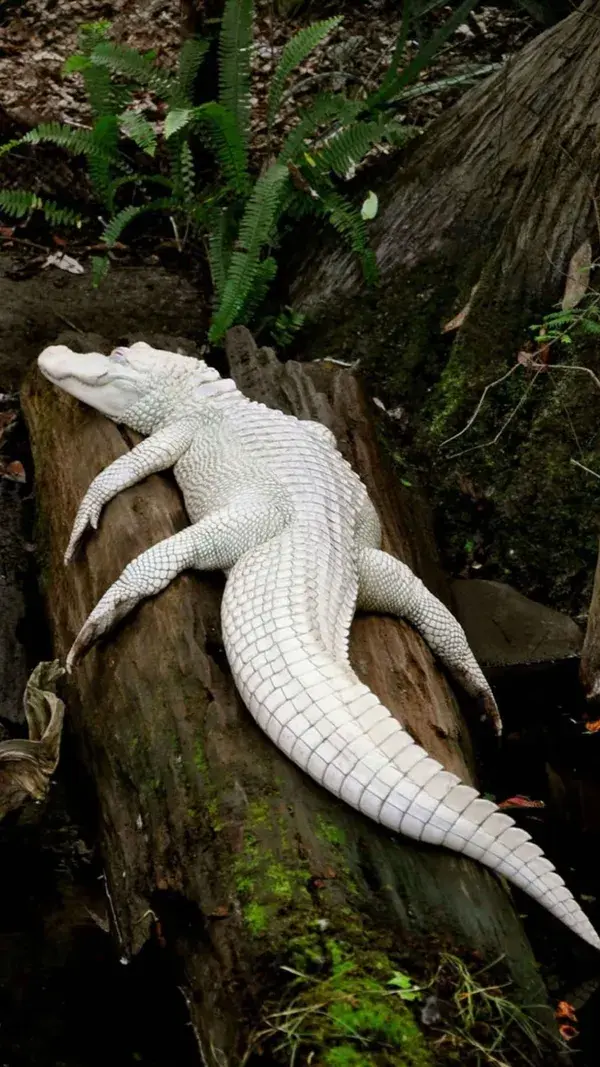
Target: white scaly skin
273 503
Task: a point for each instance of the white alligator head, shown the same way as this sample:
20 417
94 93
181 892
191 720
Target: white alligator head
133 383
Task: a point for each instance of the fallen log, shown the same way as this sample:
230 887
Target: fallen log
213 843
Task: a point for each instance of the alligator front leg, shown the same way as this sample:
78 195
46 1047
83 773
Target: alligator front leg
216 542
153 454
387 585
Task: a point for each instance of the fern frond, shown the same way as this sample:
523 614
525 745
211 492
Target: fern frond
116 225
131 64
348 147
177 119
191 56
99 89
134 125
260 215
242 271
589 325
60 216
101 164
295 52
100 268
346 219
9 145
235 44
228 143
219 252
79 142
256 231
17 203
187 173
266 271
92 33
326 109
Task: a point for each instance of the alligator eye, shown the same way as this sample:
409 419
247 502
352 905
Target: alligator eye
119 355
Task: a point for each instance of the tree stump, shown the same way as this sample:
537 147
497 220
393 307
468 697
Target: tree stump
213 842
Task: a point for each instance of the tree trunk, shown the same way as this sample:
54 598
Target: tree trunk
589 670
483 220
213 842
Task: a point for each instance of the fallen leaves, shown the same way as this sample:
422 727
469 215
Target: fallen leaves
520 801
593 727
14 471
458 320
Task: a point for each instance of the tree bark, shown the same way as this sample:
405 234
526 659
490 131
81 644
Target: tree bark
483 219
507 176
589 670
213 842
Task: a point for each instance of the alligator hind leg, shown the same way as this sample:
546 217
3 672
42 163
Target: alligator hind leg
213 543
387 585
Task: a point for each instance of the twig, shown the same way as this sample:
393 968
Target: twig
494 440
491 385
567 366
588 470
64 318
176 233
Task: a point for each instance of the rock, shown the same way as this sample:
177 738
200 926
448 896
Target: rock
508 630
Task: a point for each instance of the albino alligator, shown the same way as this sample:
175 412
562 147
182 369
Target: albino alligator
273 503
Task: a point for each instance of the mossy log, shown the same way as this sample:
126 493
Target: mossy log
214 843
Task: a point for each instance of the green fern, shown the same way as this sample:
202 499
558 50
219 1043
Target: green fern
256 227
295 52
235 45
219 252
135 126
78 142
327 109
228 143
18 203
9 145
131 64
344 149
191 57
346 219
187 173
265 275
100 268
255 231
116 225
60 216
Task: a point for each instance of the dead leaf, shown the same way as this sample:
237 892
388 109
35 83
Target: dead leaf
578 276
15 471
26 765
565 1011
520 801
7 232
458 320
567 1032
593 727
64 262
